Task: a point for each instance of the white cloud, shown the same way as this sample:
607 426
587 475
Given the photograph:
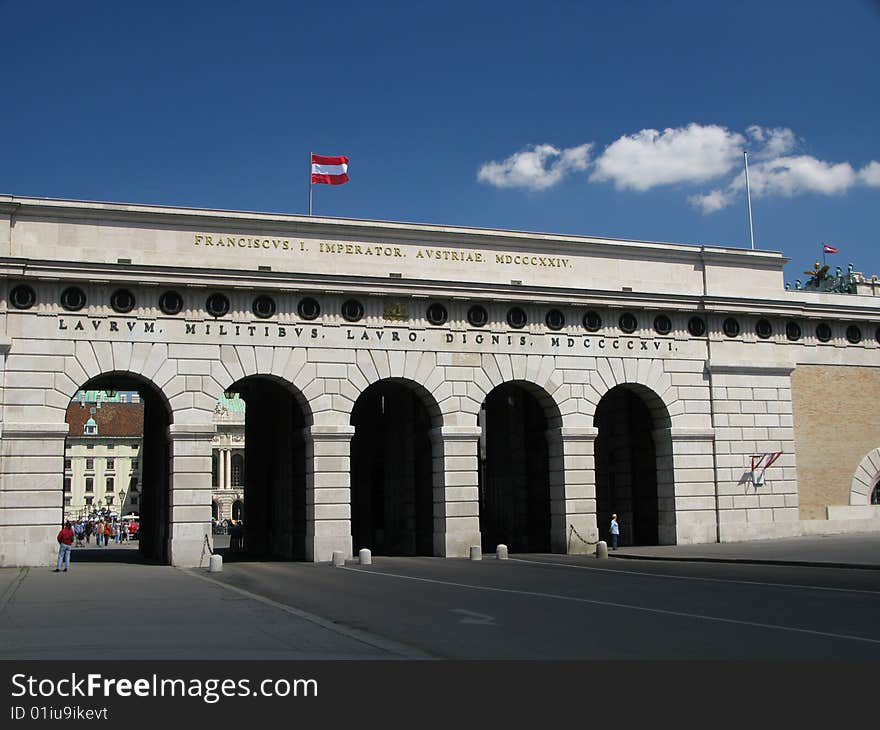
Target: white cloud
790 176
649 158
870 174
537 167
772 142
713 201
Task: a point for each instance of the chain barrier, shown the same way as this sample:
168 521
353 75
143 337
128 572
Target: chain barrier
573 531
207 544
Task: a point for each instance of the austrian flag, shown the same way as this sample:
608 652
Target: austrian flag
828 249
329 170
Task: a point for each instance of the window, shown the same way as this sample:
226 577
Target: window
90 463
133 501
792 331
108 485
134 464
66 484
122 301
67 501
264 306
109 499
90 484
68 464
22 297
237 470
133 484
111 464
89 501
823 332
730 327
875 494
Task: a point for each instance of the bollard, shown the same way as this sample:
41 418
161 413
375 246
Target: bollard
366 557
338 558
476 552
601 549
501 552
215 564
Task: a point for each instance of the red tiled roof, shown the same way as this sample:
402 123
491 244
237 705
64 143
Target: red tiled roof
113 419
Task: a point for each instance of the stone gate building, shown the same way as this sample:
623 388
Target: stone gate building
419 389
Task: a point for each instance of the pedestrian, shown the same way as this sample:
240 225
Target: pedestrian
615 532
88 531
108 532
65 542
99 533
78 531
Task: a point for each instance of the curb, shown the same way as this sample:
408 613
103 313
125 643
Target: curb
750 561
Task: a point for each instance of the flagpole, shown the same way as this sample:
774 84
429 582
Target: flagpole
310 183
749 197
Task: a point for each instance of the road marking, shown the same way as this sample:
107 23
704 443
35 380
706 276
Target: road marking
612 604
364 637
13 587
472 617
698 578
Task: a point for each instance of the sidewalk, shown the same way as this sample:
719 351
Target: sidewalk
860 551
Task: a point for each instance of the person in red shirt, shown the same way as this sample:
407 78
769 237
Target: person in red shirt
65 543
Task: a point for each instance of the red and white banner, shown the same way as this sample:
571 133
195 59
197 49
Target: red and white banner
828 249
329 170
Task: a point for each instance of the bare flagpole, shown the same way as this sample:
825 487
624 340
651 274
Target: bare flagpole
310 183
749 197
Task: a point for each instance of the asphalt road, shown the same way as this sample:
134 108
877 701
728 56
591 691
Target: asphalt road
575 607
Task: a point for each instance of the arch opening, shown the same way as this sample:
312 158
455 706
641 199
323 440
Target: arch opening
117 468
260 448
632 449
515 468
392 494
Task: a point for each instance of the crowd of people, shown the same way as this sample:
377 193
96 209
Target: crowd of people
81 532
104 531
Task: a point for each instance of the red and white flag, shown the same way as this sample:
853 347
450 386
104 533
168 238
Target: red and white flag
828 249
329 170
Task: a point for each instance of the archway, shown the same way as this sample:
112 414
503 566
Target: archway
117 461
633 436
271 474
391 470
515 468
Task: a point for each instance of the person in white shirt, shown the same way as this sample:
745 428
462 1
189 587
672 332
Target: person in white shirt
615 532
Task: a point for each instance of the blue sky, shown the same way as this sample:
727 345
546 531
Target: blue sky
621 119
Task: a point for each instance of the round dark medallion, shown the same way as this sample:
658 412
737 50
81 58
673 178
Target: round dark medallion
792 331
823 332
352 310
217 304
662 324
73 299
171 302
592 321
22 297
477 316
437 314
308 308
763 328
264 306
697 326
628 322
730 327
122 301
854 334
516 317
555 320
